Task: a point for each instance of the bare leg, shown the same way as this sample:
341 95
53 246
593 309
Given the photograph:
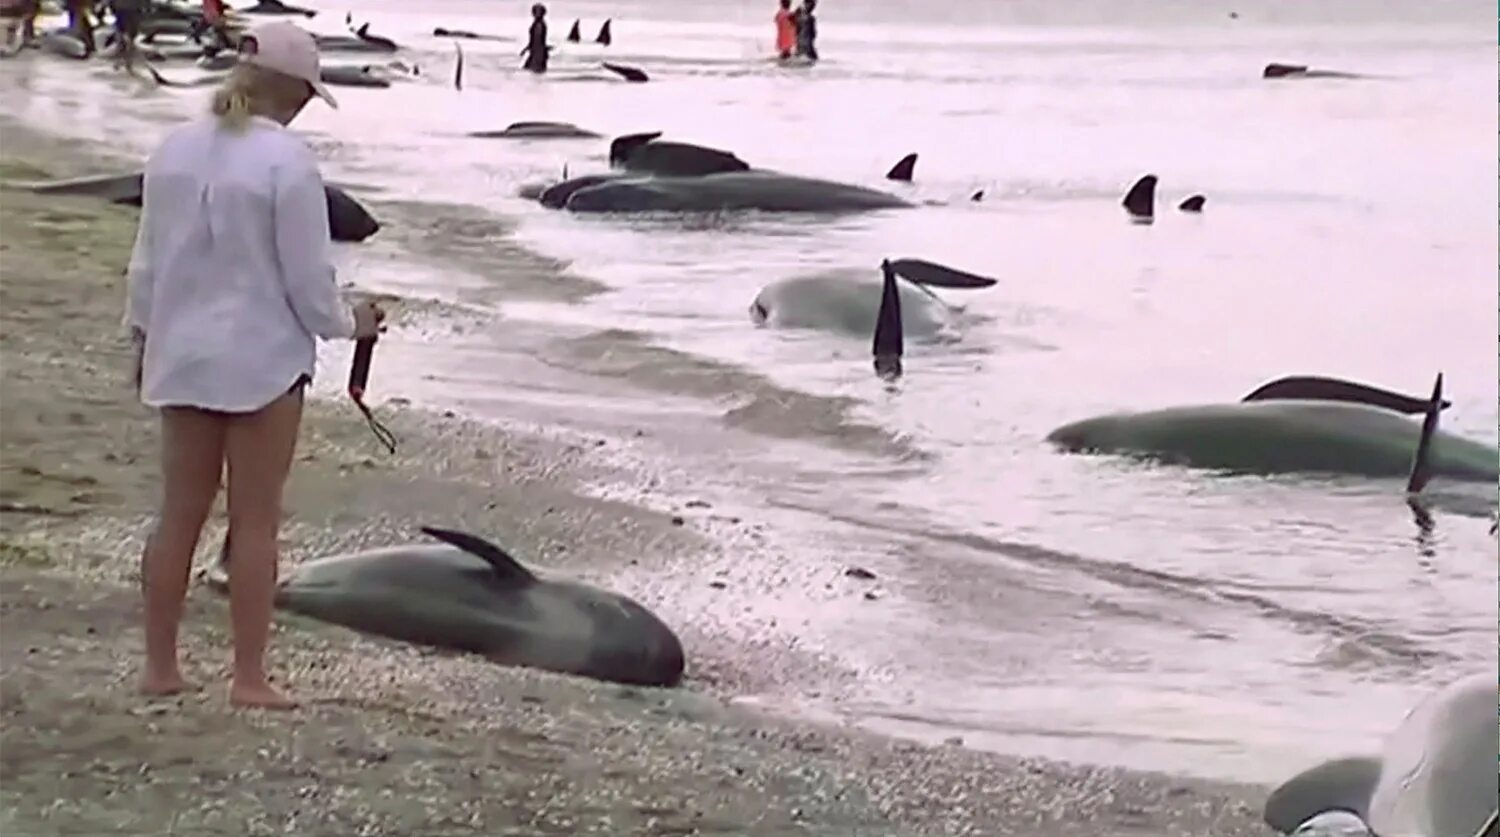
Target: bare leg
192 459
260 448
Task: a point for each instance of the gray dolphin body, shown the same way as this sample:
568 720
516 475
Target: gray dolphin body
537 130
468 595
844 303
1269 435
765 191
1434 778
347 219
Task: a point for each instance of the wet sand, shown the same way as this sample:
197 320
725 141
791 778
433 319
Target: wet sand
393 739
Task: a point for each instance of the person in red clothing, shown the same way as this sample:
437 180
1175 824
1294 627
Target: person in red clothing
786 30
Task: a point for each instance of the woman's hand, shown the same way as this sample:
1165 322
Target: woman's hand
367 319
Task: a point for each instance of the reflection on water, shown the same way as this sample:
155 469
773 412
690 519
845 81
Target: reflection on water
1082 607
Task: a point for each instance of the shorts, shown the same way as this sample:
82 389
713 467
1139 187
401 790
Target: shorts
128 24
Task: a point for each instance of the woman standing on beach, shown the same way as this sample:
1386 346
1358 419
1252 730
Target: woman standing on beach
229 284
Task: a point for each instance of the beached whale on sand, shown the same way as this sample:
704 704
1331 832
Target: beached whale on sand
1289 429
537 130
847 303
468 594
1435 776
347 219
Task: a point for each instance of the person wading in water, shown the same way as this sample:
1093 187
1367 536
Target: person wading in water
536 44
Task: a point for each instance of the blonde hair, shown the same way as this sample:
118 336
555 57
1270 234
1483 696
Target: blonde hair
253 90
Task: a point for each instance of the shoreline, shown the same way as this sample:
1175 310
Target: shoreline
79 485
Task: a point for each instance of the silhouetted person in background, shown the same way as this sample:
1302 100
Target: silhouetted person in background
536 43
807 30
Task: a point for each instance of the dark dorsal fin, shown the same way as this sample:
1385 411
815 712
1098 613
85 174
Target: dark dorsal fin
574 36
1421 462
977 196
627 73
1193 203
604 36
923 272
889 340
363 31
1140 201
1315 388
622 147
904 169
507 569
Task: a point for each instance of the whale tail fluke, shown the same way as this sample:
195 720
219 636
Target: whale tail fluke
1421 463
904 169
1315 388
889 340
1140 201
506 568
930 274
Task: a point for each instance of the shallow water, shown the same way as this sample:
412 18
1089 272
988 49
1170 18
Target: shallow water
1083 608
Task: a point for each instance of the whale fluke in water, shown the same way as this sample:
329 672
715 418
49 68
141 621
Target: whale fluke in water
1421 461
889 342
605 37
574 35
1193 203
904 169
627 73
1140 201
1318 388
933 275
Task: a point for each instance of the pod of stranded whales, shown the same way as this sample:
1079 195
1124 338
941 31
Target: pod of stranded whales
467 594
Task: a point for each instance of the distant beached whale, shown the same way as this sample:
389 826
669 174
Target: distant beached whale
1330 427
1434 778
468 594
1302 71
347 219
848 304
537 130
274 7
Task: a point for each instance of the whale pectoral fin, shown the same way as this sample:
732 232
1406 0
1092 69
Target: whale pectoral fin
1344 784
1317 388
923 272
507 569
1421 462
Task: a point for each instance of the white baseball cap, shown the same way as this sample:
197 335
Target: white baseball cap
283 47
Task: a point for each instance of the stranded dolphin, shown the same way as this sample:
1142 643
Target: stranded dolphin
537 130
468 594
1272 434
347 219
1302 71
1434 778
843 303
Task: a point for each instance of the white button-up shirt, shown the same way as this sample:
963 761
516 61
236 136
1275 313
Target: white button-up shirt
232 278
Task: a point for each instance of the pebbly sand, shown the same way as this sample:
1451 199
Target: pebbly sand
393 739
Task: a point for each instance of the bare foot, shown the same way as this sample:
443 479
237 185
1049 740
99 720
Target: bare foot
162 686
259 696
